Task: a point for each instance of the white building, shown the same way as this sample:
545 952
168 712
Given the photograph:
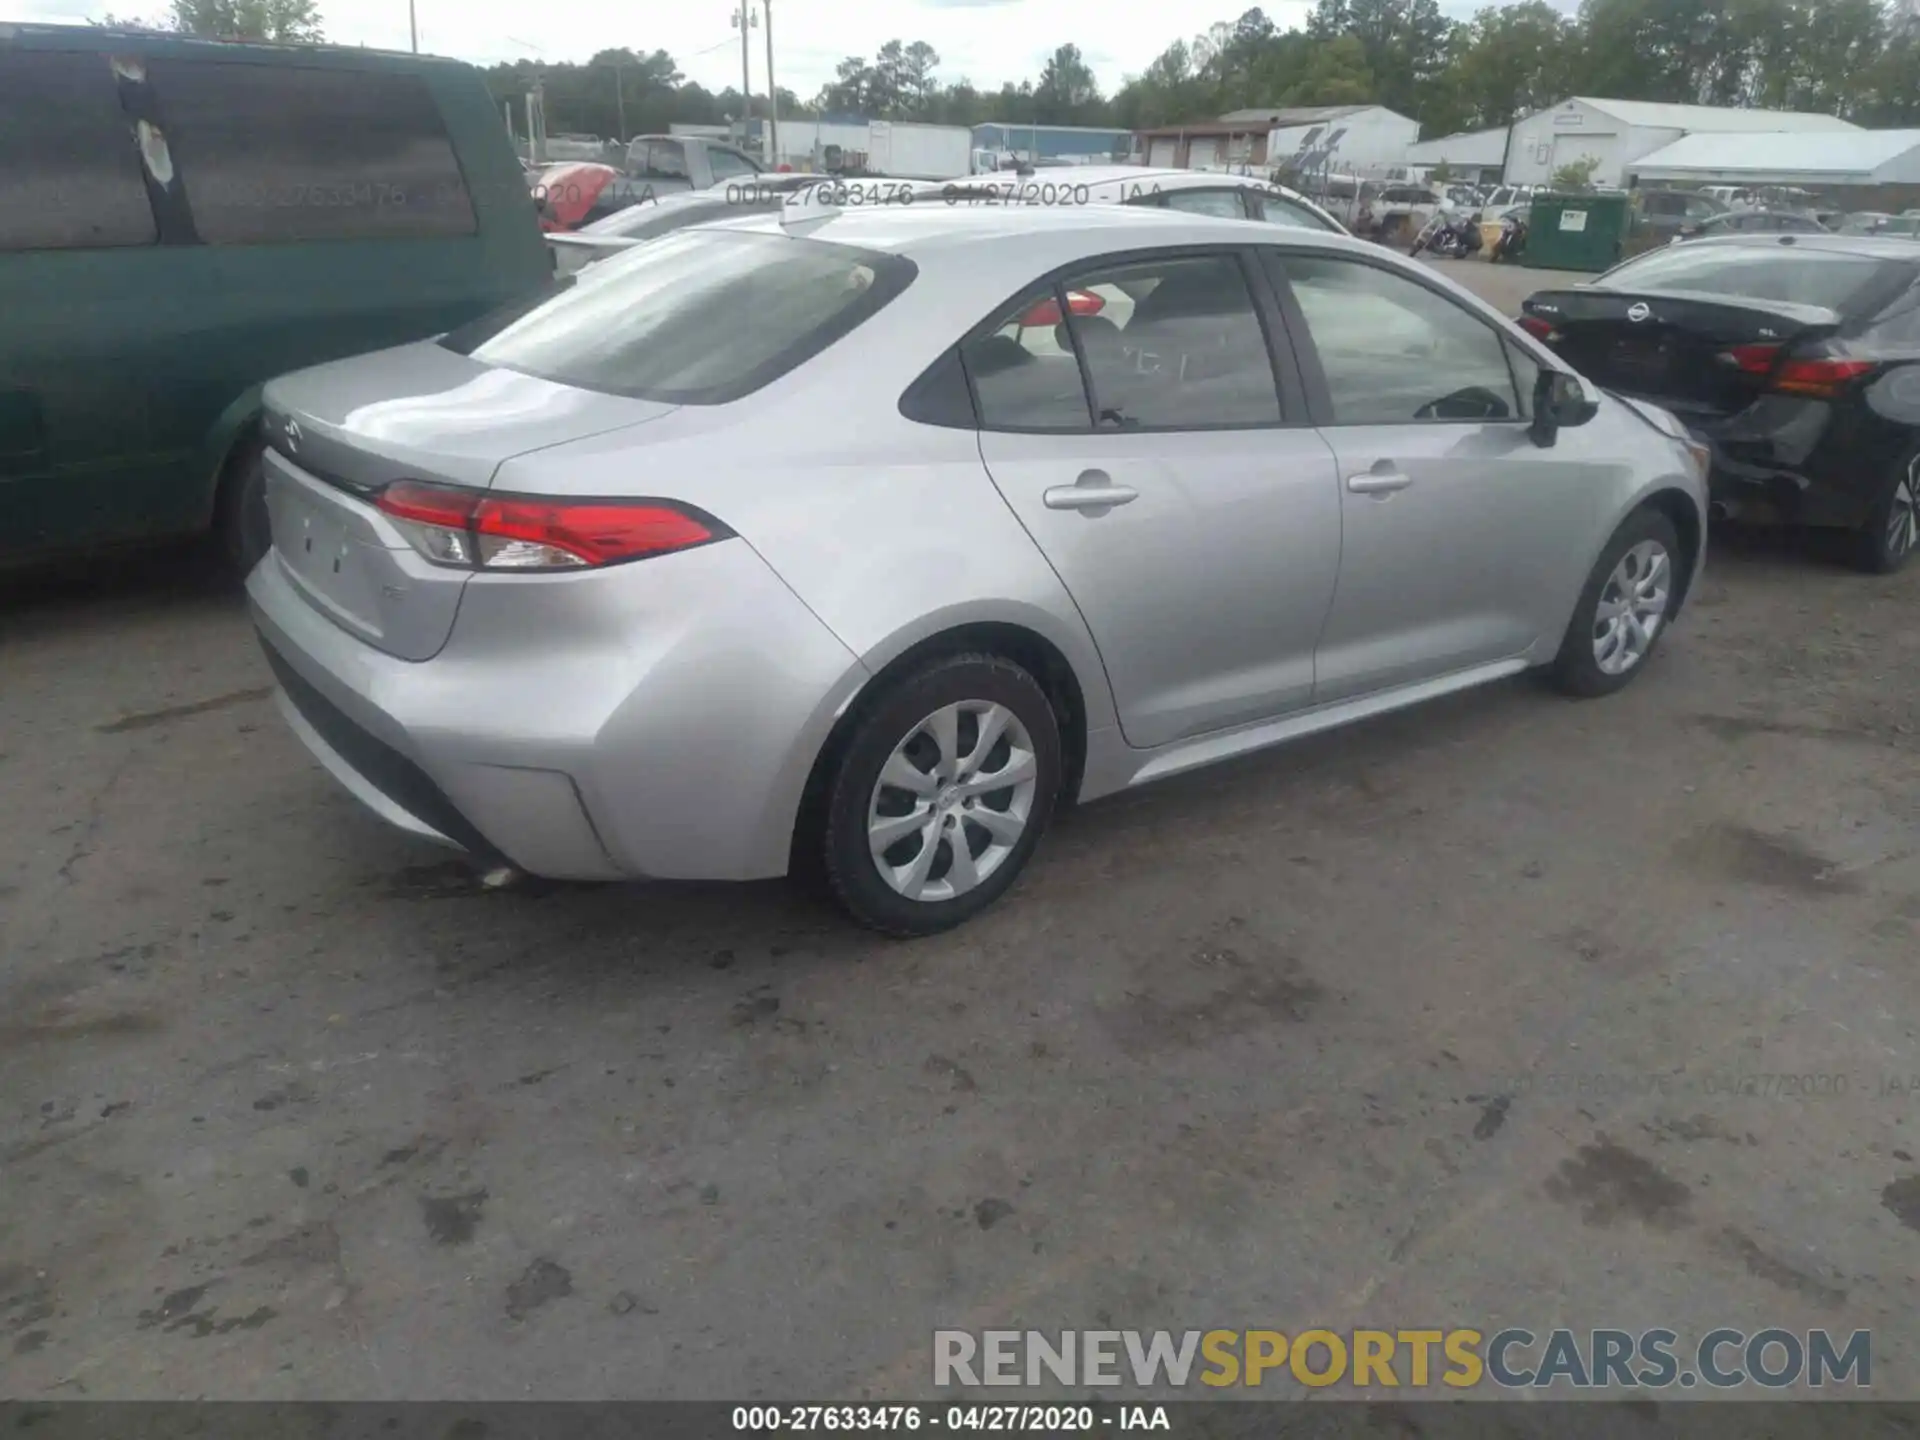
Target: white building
1870 158
1349 136
1473 156
1619 132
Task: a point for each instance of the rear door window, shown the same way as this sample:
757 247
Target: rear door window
70 175
1278 210
1223 203
1170 344
692 318
275 154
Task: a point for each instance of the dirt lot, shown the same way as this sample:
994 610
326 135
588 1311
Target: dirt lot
1420 1024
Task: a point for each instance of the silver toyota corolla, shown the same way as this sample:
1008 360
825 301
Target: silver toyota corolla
858 543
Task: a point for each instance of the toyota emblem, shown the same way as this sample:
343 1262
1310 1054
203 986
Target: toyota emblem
293 428
1641 311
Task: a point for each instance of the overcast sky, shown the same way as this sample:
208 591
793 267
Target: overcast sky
985 41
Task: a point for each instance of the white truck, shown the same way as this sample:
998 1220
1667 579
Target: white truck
918 152
895 150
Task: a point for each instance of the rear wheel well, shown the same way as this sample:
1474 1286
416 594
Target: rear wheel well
1028 649
1680 510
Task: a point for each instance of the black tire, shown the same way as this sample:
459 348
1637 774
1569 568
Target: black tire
240 520
852 874
1880 547
1576 669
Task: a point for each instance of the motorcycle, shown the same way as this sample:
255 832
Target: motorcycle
1512 243
1449 236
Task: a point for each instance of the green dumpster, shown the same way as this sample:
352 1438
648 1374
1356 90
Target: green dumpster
1577 232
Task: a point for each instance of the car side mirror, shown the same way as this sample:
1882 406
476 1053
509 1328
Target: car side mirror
1560 400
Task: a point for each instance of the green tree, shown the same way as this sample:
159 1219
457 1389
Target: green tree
1510 61
919 84
1403 43
286 21
849 90
1066 93
1576 176
282 20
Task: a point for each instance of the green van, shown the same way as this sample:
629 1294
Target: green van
181 220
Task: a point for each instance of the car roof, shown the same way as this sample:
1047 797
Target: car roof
925 227
1112 183
1878 247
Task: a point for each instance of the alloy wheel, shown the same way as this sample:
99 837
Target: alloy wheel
1633 606
952 800
1903 516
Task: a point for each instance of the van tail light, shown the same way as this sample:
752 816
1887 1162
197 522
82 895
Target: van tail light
1079 302
1541 330
475 530
1822 376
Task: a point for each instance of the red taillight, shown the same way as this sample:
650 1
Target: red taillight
1819 375
473 530
1751 359
1541 330
1079 302
1823 376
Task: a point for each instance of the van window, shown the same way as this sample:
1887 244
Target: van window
272 154
69 172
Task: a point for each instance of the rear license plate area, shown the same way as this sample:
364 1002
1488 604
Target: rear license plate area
1640 362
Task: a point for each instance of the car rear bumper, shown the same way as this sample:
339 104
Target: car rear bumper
1797 461
654 720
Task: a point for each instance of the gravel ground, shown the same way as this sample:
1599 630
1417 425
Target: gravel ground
290 1108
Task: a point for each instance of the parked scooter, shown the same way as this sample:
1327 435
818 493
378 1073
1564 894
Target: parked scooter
1512 244
1449 234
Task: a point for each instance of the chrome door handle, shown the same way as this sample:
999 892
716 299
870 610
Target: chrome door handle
1093 493
1378 482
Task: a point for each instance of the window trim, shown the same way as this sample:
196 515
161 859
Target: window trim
1289 389
1307 353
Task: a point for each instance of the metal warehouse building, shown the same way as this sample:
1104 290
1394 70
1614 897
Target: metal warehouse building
1474 156
1618 133
1871 169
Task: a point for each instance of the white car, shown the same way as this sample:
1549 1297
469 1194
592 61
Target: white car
1197 192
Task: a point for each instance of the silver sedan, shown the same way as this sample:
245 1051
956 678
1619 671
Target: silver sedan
857 543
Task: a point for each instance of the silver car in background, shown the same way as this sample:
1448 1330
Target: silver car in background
1194 192
658 215
857 543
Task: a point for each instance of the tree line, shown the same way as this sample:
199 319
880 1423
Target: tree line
1856 58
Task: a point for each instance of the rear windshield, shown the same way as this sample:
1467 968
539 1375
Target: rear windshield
1826 278
698 317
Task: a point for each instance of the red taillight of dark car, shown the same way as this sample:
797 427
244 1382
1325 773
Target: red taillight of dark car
473 530
1819 376
1541 330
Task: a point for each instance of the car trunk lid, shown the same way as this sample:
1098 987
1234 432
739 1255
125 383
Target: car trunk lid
339 434
1692 352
